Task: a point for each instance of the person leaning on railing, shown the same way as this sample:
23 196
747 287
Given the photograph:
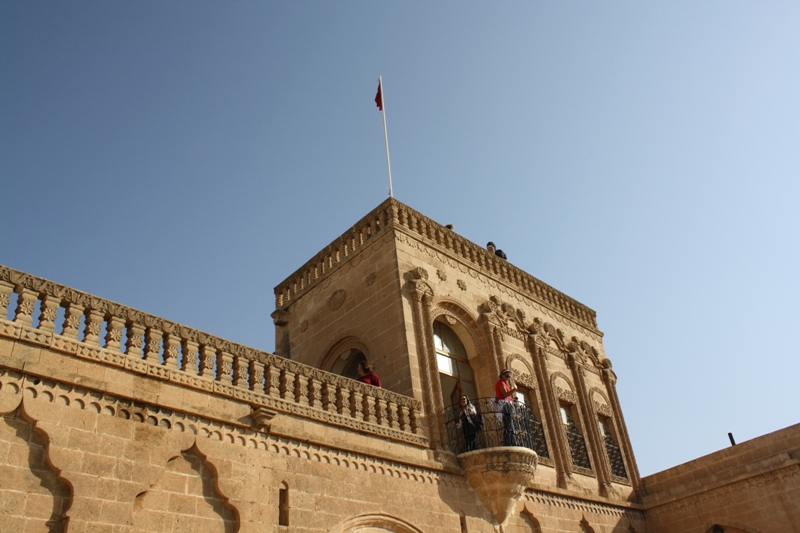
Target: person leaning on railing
367 375
505 395
470 421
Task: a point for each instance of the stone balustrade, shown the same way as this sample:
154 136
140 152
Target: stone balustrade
394 213
80 325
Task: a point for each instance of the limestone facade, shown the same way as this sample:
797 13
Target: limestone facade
116 420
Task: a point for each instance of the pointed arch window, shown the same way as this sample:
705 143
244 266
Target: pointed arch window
577 446
612 449
455 372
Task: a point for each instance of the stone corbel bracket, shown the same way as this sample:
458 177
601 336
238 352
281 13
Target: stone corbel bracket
262 418
499 476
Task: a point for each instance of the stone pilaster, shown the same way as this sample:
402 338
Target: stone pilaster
610 380
537 344
591 431
422 298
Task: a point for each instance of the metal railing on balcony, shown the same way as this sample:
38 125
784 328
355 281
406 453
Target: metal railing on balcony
494 424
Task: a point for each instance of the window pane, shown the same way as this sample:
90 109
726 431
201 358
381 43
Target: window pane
464 370
446 365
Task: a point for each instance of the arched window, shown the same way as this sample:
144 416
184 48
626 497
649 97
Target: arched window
612 449
455 374
525 396
577 446
347 364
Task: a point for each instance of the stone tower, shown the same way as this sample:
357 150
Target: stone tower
400 290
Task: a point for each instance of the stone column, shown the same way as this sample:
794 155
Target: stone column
559 448
592 432
610 380
422 296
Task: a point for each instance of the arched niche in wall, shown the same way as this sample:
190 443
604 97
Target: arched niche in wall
374 523
344 356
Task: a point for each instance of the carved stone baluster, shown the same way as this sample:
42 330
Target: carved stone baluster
225 367
301 389
356 404
72 320
404 418
26 301
47 318
5 298
272 380
416 428
256 373
152 342
312 391
133 346
369 408
380 412
94 319
240 366
286 385
114 333
172 350
393 415
328 396
343 400
190 356
208 360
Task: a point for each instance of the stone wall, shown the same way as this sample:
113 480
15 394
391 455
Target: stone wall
114 420
751 487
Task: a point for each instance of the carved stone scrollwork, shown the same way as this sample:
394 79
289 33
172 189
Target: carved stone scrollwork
419 273
567 395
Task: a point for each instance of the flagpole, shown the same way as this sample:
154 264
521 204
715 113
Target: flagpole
385 135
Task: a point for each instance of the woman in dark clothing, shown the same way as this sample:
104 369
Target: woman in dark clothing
470 422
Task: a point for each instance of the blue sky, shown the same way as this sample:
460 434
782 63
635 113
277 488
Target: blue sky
185 157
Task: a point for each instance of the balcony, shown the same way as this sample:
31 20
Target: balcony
498 446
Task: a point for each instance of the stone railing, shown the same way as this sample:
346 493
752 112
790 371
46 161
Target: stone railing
81 325
394 213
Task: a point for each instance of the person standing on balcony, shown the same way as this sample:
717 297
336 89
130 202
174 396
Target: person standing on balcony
367 375
470 422
505 395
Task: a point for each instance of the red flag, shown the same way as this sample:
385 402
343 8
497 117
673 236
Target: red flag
379 98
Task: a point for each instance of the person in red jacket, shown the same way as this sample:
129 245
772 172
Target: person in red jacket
367 375
505 396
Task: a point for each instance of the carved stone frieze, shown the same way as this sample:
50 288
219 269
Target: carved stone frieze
500 287
567 395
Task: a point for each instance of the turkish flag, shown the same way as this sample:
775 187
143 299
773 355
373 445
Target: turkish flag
379 98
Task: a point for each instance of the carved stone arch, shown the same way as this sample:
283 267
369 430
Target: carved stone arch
376 522
446 308
35 475
728 526
601 407
341 347
566 394
190 463
513 362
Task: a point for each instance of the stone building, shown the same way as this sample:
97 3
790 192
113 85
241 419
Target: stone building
116 420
